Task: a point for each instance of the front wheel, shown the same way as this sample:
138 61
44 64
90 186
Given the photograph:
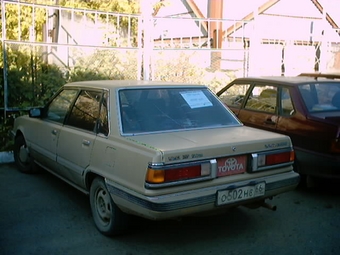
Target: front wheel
22 156
108 218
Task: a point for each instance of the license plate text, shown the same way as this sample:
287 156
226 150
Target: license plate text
241 193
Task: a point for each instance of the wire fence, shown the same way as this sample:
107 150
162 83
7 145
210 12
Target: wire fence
44 46
35 81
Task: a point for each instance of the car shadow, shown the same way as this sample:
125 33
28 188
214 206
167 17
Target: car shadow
190 229
321 186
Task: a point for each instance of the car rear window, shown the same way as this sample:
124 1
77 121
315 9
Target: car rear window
168 109
321 97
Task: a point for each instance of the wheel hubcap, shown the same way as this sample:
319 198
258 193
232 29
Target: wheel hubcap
23 154
104 205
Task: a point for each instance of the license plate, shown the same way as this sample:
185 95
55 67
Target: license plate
241 193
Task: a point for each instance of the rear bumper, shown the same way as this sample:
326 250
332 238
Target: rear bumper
194 201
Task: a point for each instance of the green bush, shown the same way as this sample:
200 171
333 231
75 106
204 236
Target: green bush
6 142
30 83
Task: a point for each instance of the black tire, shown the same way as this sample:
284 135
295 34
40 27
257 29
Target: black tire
108 218
22 157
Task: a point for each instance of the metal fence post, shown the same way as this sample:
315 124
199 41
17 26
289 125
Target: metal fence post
147 47
4 59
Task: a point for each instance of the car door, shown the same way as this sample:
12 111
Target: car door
77 137
260 107
47 129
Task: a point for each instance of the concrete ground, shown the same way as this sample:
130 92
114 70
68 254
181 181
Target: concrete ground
40 214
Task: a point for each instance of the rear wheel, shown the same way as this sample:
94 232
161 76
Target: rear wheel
22 157
108 218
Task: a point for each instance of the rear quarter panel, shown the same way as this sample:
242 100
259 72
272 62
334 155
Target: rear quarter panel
122 161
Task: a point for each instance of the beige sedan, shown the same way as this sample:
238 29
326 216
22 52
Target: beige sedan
153 149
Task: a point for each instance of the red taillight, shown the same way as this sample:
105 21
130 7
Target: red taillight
263 161
279 158
335 146
177 174
182 173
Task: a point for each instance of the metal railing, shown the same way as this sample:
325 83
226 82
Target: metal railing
43 46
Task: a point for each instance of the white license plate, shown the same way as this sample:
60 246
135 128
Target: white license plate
239 194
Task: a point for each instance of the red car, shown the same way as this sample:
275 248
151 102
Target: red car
307 108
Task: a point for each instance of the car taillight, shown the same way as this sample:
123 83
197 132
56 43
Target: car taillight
166 175
263 161
335 146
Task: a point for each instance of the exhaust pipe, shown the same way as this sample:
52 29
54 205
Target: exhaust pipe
268 206
261 204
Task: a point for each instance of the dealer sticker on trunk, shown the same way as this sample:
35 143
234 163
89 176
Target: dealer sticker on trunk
231 165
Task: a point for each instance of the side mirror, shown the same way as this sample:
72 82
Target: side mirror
35 112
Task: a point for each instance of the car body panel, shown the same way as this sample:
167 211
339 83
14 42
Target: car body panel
74 153
209 143
42 139
151 148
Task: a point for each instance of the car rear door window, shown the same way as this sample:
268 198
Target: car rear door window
85 111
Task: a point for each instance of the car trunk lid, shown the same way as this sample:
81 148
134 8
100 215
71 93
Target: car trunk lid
208 143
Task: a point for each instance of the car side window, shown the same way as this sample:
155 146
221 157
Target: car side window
234 95
58 108
85 111
263 98
287 107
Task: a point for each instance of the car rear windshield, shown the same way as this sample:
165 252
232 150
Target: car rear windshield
169 109
321 97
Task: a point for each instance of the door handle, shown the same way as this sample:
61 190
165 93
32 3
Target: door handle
269 122
86 142
54 132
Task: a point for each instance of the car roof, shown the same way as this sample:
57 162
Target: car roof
286 80
125 83
316 75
